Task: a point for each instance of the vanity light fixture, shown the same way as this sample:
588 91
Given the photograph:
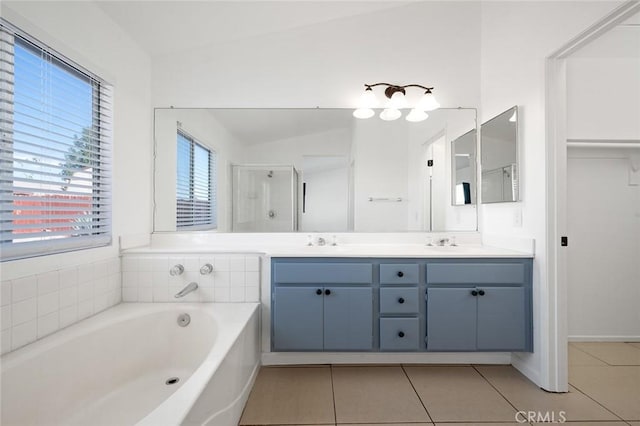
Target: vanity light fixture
396 102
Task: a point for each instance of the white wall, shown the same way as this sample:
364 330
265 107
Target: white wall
202 125
603 96
516 39
82 32
326 64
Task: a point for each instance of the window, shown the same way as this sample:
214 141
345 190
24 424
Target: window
55 151
196 188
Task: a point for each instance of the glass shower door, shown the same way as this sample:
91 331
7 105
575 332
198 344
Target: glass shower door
264 198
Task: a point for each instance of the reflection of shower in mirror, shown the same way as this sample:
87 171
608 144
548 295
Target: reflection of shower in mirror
264 198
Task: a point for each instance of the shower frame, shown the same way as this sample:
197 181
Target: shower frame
294 190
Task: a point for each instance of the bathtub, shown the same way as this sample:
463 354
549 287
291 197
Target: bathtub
112 369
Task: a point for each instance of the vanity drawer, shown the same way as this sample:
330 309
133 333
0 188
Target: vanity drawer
323 273
399 273
475 273
399 334
399 300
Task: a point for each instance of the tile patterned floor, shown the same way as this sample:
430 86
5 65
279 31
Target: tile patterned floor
604 390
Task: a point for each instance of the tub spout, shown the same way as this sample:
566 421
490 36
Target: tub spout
188 289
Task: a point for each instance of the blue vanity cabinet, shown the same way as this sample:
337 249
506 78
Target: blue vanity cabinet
502 319
322 306
401 305
348 318
474 306
297 318
451 319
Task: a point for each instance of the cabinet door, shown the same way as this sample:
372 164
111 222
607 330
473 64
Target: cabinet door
501 319
348 318
297 319
451 319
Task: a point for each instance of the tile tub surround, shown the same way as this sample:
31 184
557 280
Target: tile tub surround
146 278
35 306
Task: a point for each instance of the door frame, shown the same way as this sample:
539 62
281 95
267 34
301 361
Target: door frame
555 359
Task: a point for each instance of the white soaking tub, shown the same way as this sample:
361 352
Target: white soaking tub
111 369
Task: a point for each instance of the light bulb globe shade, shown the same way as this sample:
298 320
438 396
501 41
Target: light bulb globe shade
363 113
428 102
416 115
367 99
390 114
398 101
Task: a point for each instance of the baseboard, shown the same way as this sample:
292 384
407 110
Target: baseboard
604 338
297 358
524 367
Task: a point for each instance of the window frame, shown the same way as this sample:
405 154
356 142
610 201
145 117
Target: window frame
99 232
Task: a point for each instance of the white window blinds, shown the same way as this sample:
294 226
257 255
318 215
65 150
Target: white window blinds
55 151
196 188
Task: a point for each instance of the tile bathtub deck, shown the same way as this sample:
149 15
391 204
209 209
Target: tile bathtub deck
604 390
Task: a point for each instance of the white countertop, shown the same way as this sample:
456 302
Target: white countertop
396 250
346 250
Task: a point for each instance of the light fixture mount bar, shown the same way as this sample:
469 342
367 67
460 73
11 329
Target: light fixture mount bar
393 88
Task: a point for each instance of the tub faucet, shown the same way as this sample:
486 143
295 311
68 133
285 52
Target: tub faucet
321 241
193 286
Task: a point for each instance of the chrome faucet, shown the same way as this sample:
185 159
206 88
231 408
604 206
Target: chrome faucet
192 286
321 241
442 241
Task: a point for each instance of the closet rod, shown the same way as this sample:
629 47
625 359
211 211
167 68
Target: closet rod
603 143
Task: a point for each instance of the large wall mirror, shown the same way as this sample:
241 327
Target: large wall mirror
309 170
500 182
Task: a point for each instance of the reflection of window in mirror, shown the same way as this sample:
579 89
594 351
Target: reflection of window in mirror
500 158
195 184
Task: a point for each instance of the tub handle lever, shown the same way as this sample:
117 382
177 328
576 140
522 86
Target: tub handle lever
206 269
176 270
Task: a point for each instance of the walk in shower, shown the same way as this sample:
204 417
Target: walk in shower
264 198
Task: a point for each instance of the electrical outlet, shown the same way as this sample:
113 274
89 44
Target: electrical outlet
517 218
